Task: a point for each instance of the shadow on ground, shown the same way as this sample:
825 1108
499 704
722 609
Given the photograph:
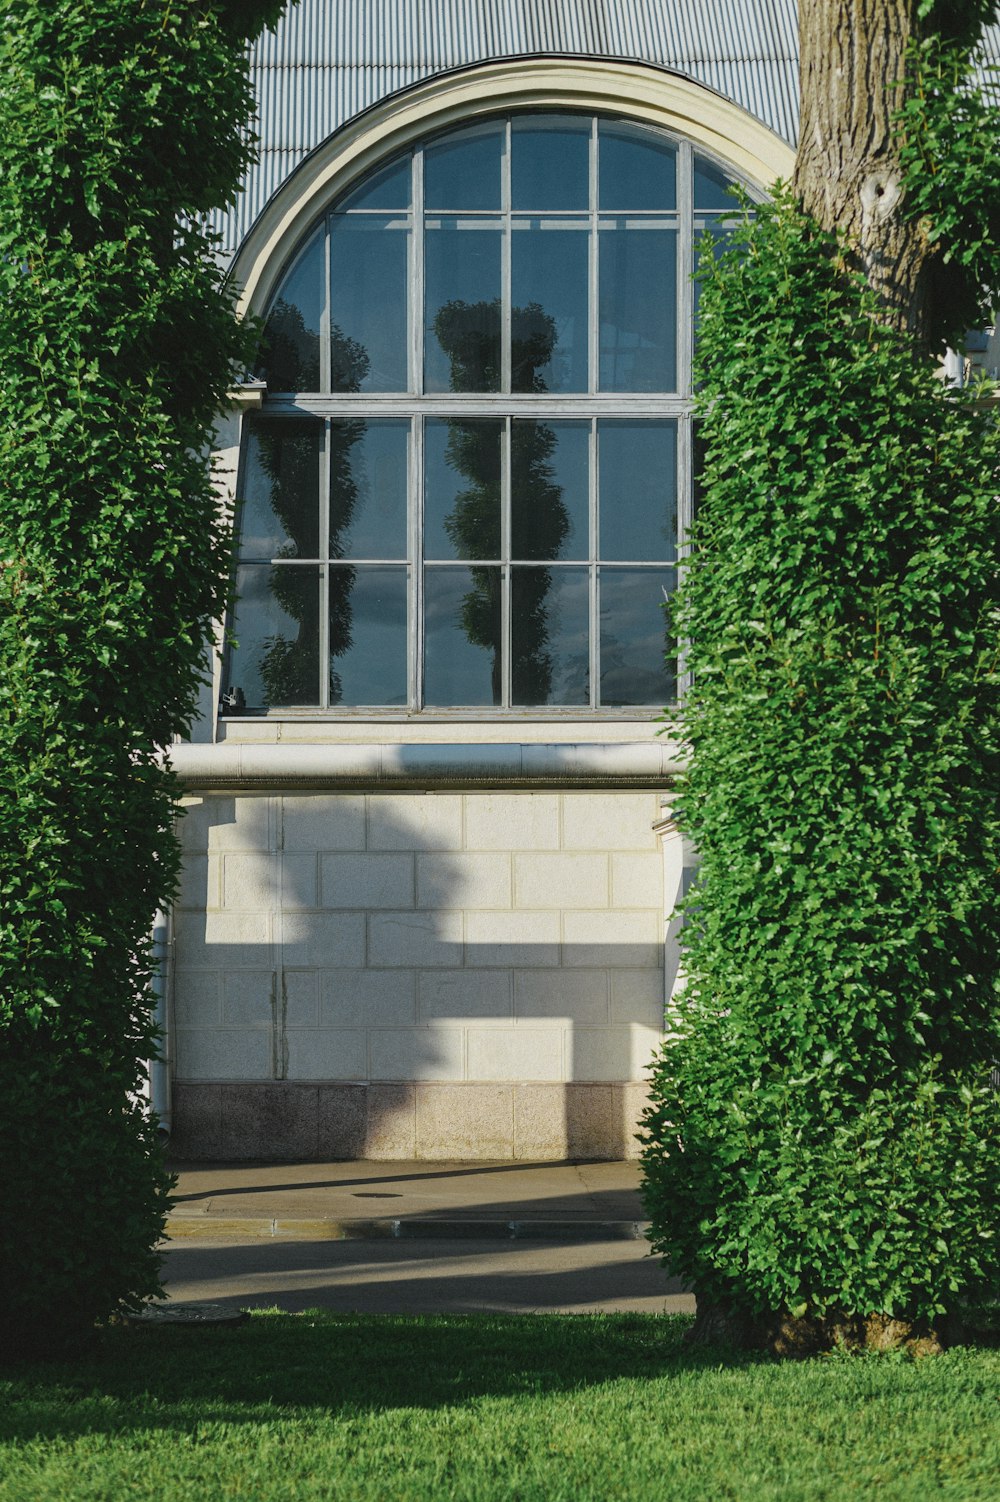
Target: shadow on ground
181 1378
427 1277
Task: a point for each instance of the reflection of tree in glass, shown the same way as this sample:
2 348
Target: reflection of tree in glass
289 668
670 645
344 496
288 359
539 524
469 334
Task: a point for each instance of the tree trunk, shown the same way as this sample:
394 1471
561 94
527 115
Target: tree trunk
790 1337
847 174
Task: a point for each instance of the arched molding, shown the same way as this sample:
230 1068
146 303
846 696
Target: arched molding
636 90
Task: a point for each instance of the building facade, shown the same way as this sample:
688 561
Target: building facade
430 868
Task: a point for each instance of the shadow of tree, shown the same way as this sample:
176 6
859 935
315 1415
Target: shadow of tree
172 1377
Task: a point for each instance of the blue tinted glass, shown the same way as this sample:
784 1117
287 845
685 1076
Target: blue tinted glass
549 489
637 489
549 316
462 630
550 635
463 170
638 662
368 487
368 301
276 626
367 635
462 466
550 163
711 187
709 240
462 303
279 490
289 350
387 189
638 312
636 170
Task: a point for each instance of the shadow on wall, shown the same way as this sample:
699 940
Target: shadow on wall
418 975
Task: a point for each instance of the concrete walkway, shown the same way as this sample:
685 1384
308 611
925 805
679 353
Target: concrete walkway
416 1237
367 1200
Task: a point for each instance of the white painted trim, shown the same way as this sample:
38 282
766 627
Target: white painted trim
636 90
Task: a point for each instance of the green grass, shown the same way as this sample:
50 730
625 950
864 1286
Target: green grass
561 1408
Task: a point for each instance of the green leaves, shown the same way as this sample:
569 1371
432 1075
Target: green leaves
120 122
824 1117
948 129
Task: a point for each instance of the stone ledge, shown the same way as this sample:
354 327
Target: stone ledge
357 767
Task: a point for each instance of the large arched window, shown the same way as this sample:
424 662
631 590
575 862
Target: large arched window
470 478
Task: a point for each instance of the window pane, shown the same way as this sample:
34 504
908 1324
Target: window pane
463 171
637 490
387 189
276 625
462 302
462 628
550 163
462 464
709 240
368 287
289 350
637 171
638 665
699 451
638 315
367 635
549 489
279 517
549 316
711 187
549 622
368 487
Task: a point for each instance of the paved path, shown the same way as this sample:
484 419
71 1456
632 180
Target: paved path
416 1238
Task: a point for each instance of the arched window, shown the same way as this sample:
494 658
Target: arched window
472 472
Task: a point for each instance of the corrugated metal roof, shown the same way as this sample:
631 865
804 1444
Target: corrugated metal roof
330 59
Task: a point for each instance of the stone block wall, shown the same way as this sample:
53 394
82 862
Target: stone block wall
389 975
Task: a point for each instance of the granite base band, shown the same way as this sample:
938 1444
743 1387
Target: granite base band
283 1120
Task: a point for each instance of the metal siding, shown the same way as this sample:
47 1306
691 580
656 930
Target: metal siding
328 60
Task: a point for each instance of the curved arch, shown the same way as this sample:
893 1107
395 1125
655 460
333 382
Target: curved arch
638 91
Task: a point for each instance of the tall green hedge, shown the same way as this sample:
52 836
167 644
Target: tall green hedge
823 1144
121 123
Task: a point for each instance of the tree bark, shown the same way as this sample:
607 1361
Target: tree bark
847 174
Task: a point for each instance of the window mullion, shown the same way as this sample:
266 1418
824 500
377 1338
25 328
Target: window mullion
324 568
415 633
685 269
506 256
324 319
685 510
416 326
593 311
415 481
592 558
506 622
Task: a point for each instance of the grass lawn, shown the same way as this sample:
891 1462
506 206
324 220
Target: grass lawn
560 1407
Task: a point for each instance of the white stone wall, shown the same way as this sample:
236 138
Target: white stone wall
432 938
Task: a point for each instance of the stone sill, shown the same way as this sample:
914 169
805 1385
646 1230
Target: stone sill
375 765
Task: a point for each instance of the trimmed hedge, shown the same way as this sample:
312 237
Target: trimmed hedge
823 1142
120 123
